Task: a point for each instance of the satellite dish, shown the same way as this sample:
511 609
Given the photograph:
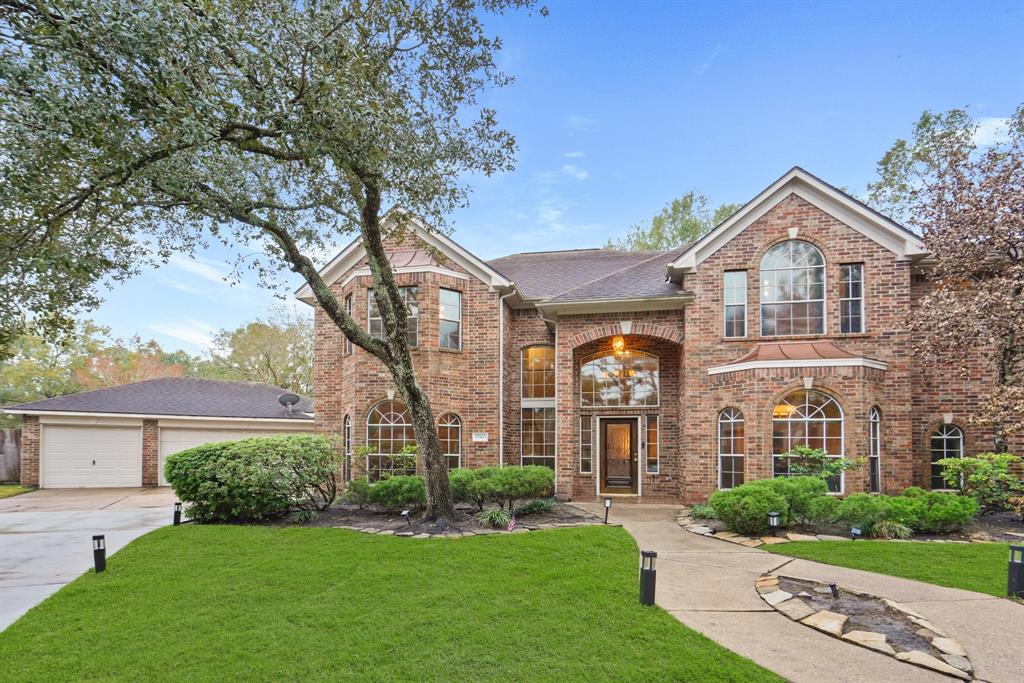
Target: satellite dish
288 400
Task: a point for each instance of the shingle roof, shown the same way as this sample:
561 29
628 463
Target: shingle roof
589 274
180 397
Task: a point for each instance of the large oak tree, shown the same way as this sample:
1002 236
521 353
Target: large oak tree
146 125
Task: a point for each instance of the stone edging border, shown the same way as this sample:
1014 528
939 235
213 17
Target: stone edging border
956 662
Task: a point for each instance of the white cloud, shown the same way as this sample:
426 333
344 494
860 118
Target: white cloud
577 123
194 332
991 131
181 286
575 155
706 64
200 268
575 172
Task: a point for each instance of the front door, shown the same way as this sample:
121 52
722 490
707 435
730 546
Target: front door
618 456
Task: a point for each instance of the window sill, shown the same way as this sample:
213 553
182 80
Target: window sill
444 350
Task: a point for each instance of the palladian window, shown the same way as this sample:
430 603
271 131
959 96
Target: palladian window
807 418
792 290
388 430
623 378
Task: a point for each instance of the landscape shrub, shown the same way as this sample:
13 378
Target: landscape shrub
799 493
399 492
805 461
823 510
864 510
702 511
511 484
256 478
889 529
535 507
745 508
357 492
496 517
987 478
932 512
472 485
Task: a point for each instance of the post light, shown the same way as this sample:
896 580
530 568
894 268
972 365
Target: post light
1015 580
607 507
855 533
177 513
408 520
834 588
773 522
99 552
647 576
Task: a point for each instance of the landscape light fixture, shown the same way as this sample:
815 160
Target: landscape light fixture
1015 579
834 588
607 507
855 533
177 513
405 513
773 522
99 552
647 576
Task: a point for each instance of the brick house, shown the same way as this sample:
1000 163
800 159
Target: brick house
663 376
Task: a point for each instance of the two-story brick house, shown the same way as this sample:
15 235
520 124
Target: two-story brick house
663 375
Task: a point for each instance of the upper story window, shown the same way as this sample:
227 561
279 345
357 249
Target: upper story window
348 309
539 372
851 298
734 294
624 378
451 319
792 290
412 320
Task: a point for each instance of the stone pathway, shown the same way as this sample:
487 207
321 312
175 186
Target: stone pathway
709 586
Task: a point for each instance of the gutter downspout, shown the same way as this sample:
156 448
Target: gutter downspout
501 377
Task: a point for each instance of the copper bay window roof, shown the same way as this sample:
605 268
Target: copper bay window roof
796 354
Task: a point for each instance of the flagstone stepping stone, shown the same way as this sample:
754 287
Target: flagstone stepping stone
773 540
795 608
403 533
949 646
900 607
775 597
925 624
725 535
870 639
752 542
827 621
387 532
959 662
801 537
767 580
423 535
927 661
827 537
739 539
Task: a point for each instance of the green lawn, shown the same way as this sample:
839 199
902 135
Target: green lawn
977 567
8 490
257 603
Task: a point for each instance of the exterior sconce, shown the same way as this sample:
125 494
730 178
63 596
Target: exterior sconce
1015 581
773 522
647 576
618 344
607 507
99 552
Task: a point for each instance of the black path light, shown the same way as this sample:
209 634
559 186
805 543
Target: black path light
834 588
99 552
177 513
773 522
405 515
1015 580
855 533
647 576
607 507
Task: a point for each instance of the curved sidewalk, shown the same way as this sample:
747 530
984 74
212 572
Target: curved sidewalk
708 585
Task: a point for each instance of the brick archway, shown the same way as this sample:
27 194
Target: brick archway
643 329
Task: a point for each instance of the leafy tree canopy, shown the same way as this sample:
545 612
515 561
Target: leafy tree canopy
681 221
277 350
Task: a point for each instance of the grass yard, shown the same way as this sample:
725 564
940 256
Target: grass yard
257 603
8 490
977 567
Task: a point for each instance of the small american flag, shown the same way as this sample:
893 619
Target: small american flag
512 524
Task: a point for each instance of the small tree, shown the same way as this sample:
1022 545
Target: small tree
682 220
987 478
814 462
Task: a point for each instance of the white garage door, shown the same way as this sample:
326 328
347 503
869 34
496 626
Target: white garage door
174 439
79 457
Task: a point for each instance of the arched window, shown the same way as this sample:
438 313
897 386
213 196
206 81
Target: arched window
874 451
449 432
625 378
792 289
947 442
388 430
731 448
347 448
807 418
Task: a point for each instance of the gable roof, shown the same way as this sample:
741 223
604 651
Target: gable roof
177 397
545 274
351 255
854 213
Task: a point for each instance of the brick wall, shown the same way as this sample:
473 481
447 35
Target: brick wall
30 450
150 453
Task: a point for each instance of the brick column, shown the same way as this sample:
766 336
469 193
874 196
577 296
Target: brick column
150 453
30 450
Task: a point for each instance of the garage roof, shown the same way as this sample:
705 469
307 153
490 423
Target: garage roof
177 397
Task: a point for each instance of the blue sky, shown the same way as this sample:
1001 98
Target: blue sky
619 107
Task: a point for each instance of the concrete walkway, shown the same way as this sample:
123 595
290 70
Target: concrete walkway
46 537
708 585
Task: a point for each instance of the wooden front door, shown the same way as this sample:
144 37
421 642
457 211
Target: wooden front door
618 456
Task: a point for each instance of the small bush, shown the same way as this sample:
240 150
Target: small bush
864 510
398 493
512 484
985 477
745 509
535 507
822 510
255 478
702 511
889 529
472 485
799 493
931 512
496 517
357 492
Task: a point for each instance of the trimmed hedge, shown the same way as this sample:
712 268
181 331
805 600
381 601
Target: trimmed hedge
502 485
398 493
924 512
256 478
745 508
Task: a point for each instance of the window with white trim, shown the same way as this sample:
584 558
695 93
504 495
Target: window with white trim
734 296
807 418
537 410
388 430
731 448
947 442
412 320
653 462
538 437
449 433
586 444
348 309
874 451
792 290
347 448
851 298
624 378
451 319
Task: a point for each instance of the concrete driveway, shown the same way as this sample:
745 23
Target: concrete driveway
46 537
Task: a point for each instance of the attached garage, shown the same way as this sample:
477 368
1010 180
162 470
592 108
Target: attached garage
121 436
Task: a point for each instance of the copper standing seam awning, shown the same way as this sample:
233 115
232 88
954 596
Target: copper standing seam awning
795 355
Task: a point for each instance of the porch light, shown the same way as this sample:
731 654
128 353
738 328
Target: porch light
773 522
855 533
647 576
618 344
99 552
607 507
1015 580
177 513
